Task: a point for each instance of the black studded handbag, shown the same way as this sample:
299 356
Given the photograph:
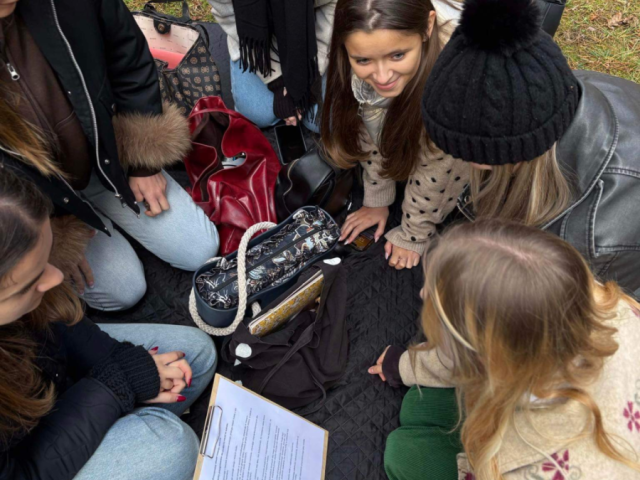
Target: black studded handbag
180 47
312 180
552 11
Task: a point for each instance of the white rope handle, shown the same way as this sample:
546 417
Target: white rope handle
242 287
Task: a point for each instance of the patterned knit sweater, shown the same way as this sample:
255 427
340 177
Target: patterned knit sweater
545 443
432 189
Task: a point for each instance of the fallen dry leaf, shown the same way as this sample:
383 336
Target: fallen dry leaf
593 17
618 21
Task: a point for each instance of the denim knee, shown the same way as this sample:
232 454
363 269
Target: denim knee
122 292
177 448
259 113
252 97
128 291
203 350
202 248
129 296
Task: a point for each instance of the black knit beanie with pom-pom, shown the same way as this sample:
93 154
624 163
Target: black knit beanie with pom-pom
501 91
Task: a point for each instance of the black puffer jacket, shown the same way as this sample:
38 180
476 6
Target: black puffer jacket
104 65
92 374
600 155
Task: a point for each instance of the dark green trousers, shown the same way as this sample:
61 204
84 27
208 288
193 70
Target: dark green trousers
424 447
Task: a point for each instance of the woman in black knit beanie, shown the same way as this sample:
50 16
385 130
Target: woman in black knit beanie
68 388
552 148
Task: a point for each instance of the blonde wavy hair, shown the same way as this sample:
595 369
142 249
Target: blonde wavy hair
533 193
515 307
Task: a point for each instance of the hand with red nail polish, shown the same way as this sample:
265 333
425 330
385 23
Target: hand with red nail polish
175 375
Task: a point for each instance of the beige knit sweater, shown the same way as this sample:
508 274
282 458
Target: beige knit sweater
432 189
550 426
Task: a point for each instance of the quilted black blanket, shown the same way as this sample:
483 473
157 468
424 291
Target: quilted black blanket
359 413
383 308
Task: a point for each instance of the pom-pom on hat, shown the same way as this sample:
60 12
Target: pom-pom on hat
501 91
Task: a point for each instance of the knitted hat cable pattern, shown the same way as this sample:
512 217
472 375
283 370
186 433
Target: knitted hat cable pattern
501 91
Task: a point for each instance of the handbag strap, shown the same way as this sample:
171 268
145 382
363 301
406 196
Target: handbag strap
329 274
303 341
552 11
242 287
226 111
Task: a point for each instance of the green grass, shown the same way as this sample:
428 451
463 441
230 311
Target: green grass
584 35
200 9
591 44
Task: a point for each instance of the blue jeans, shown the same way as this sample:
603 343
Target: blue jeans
182 236
255 101
152 443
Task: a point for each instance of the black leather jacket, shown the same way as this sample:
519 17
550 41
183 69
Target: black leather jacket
104 65
600 155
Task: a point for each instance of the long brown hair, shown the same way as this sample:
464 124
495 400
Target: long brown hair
25 396
533 193
516 307
22 140
403 136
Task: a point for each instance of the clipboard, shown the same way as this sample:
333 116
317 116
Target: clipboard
212 434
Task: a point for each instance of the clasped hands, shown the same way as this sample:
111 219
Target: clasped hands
175 375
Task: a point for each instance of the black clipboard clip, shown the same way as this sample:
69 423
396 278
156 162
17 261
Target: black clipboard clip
211 431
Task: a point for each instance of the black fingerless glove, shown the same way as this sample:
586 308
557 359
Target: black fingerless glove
130 373
283 106
391 366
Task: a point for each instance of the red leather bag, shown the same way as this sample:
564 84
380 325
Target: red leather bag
234 198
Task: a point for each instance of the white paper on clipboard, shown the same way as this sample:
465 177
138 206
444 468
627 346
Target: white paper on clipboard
247 437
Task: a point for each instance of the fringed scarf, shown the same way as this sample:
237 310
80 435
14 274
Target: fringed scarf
293 26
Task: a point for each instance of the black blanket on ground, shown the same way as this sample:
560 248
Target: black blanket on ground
382 309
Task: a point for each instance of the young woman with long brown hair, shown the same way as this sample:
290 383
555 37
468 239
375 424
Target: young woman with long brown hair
381 54
552 148
540 357
68 388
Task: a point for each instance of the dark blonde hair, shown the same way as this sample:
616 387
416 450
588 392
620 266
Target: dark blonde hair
403 136
533 193
516 307
25 396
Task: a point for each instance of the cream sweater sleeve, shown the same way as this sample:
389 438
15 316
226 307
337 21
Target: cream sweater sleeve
378 191
427 368
430 195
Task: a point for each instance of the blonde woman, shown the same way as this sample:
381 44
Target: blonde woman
543 360
551 148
